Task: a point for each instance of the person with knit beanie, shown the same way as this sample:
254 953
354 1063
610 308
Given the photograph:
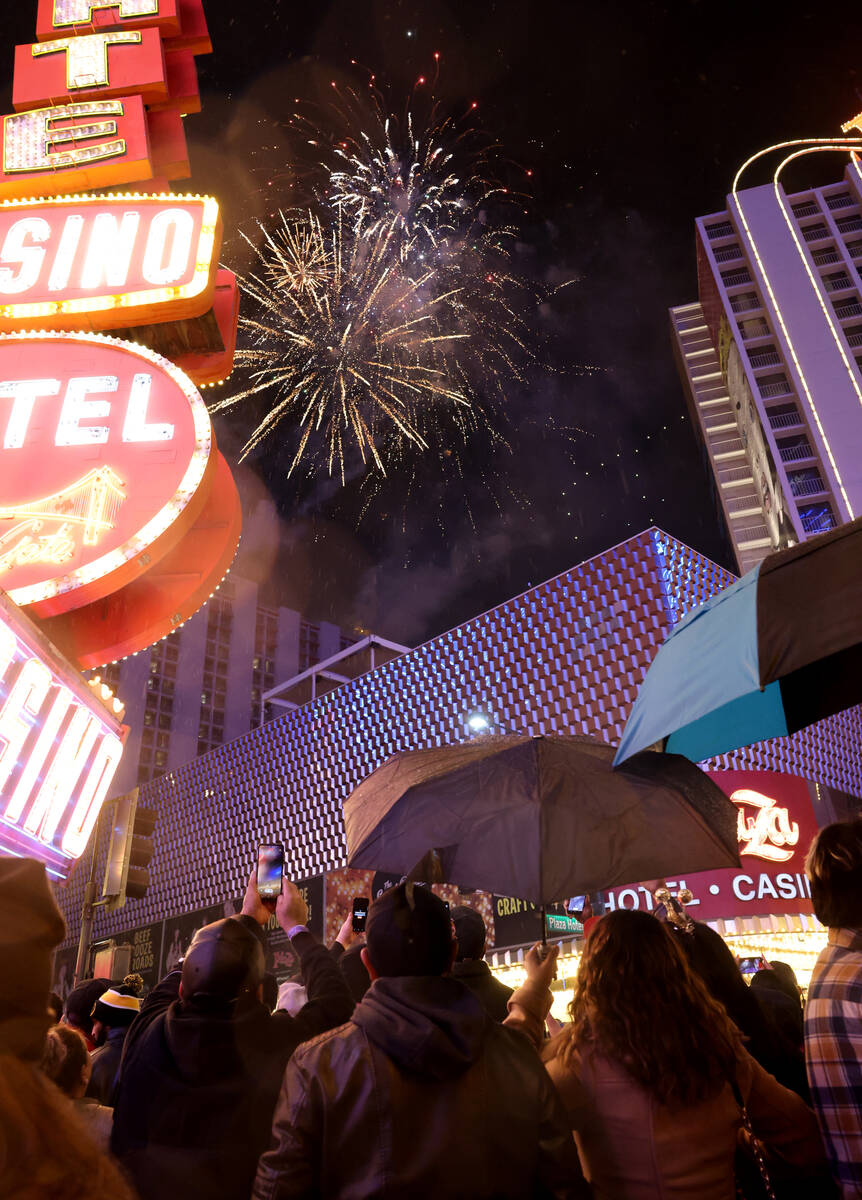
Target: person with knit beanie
44 1147
112 1015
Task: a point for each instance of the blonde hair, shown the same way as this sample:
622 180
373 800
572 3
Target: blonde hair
45 1149
65 1057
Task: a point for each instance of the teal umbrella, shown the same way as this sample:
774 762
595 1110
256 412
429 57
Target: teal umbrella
776 651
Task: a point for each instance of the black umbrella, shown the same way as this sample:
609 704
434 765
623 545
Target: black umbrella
540 818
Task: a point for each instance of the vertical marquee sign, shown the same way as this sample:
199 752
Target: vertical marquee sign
118 514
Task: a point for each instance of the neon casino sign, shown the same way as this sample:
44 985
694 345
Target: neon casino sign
118 515
60 744
105 263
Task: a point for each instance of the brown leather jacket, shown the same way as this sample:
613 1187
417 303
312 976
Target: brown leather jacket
419 1094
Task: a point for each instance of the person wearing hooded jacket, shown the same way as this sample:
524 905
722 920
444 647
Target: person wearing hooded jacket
421 1093
203 1061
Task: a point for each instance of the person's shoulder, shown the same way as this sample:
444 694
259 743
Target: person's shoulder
344 1036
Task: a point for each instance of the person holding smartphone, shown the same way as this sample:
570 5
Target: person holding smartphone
204 1060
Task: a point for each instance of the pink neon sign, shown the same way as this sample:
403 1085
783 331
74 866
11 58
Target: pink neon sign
60 746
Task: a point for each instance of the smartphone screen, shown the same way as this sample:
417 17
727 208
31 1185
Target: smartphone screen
270 871
360 913
749 966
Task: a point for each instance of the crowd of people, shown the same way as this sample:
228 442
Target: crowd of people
399 1066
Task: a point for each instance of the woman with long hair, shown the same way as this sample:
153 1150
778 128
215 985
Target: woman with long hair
647 1070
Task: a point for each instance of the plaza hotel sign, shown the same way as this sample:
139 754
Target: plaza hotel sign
118 514
775 826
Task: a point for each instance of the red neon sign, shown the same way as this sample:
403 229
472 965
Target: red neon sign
107 262
776 825
52 151
56 18
60 746
115 63
106 459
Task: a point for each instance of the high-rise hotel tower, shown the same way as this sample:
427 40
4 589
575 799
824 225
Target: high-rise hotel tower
771 354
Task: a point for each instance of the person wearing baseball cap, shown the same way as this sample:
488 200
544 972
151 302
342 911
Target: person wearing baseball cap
112 1015
204 1059
421 1093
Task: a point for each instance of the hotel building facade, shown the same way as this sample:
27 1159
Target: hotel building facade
771 356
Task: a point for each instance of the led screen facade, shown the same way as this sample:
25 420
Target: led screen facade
564 657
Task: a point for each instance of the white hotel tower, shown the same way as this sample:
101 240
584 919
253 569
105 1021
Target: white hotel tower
771 355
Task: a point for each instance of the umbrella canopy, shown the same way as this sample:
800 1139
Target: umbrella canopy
540 818
774 652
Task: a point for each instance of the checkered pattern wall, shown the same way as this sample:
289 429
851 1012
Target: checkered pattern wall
565 657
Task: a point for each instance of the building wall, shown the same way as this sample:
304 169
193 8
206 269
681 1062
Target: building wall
779 277
201 687
565 657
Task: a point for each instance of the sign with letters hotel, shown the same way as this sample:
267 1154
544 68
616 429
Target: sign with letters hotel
118 514
775 826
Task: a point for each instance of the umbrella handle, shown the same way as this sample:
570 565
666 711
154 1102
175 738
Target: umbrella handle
544 931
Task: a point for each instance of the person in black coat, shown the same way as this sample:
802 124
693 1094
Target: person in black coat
203 1062
470 966
112 1015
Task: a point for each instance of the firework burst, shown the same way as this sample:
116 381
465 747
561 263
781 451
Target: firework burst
350 346
385 324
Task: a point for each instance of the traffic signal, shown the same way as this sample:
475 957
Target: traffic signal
129 853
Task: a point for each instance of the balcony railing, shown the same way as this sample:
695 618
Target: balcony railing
766 358
815 233
734 278
784 420
795 453
807 487
854 249
806 209
728 253
838 284
719 230
842 200
817 523
822 258
849 224
745 303
851 308
770 390
855 338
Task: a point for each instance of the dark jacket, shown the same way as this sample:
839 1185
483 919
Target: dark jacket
419 1094
475 974
197 1090
105 1064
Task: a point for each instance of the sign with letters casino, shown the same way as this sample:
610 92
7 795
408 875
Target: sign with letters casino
776 825
118 514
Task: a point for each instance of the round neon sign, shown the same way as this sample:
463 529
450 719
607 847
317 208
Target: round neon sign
107 458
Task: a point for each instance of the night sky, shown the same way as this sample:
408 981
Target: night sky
632 119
